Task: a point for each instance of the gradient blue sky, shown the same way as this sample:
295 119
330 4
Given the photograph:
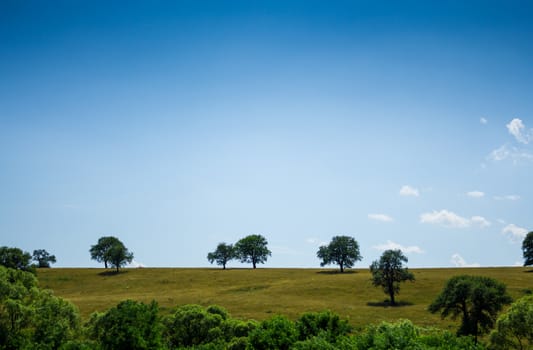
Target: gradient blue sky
176 125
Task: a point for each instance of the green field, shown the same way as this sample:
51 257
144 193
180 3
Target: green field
261 293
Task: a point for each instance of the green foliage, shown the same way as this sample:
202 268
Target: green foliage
252 249
43 258
405 335
15 258
130 325
222 255
110 250
31 317
275 333
326 324
476 299
527 249
342 251
514 329
193 325
388 272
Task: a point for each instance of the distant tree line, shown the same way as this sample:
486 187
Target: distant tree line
16 258
33 318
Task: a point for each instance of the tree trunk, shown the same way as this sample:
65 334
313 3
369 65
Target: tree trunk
224 266
253 263
105 263
342 267
391 292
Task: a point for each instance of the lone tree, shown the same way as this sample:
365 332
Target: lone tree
388 272
111 250
342 250
43 258
252 249
100 251
223 254
15 258
527 249
118 256
477 299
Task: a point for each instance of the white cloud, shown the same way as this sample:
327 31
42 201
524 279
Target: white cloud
458 261
380 217
515 154
407 190
393 245
501 221
444 217
515 233
511 197
315 241
516 128
135 263
483 120
475 194
480 221
450 219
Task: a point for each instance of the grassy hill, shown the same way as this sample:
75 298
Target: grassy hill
258 294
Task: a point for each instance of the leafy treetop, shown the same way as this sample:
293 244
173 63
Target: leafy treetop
388 272
342 250
252 249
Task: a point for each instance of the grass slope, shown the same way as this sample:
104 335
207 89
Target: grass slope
258 294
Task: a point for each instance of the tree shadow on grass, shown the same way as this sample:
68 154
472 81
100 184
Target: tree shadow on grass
336 272
112 273
386 303
528 271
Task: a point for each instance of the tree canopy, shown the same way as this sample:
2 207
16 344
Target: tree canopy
111 251
43 258
514 329
15 258
100 251
388 272
342 251
222 255
252 249
527 249
477 299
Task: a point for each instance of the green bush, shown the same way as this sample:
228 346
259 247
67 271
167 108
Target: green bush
326 323
275 333
193 325
129 325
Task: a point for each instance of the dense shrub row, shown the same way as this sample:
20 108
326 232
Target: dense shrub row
32 318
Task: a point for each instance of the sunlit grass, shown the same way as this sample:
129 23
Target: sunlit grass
261 293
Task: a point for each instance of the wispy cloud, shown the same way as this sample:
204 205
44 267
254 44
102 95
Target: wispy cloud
480 221
511 197
483 120
515 154
515 233
407 190
444 217
475 194
315 241
517 128
450 219
393 245
380 217
458 261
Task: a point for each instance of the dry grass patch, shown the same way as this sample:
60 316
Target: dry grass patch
258 294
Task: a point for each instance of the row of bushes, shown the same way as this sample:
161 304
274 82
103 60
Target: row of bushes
32 318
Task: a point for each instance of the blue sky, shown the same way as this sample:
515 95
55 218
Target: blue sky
176 125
